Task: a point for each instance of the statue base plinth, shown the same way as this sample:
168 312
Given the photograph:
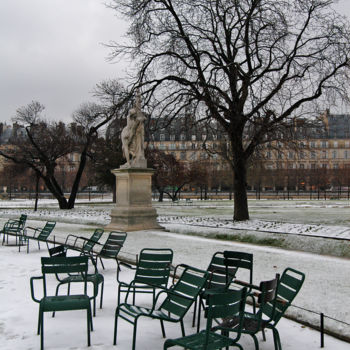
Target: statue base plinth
133 211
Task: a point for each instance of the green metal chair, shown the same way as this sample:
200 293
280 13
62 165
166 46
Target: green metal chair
96 278
48 303
289 286
274 299
82 244
221 305
13 228
221 274
110 249
177 302
253 322
152 271
39 235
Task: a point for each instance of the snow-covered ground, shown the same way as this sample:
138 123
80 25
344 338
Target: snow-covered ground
326 288
18 317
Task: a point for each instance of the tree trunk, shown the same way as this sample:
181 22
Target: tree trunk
37 179
161 196
240 190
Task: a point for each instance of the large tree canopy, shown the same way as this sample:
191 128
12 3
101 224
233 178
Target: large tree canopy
247 64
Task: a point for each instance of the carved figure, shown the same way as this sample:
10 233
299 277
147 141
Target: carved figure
133 137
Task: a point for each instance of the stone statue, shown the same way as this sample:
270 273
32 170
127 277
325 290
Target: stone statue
133 137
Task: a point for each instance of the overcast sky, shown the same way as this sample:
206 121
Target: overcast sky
51 51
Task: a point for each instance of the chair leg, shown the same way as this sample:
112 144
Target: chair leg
134 335
57 288
39 323
182 328
88 317
194 313
101 291
115 326
101 263
256 343
200 302
277 340
162 327
42 331
263 334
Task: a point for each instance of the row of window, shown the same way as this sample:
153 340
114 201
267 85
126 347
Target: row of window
183 137
182 146
317 144
306 166
345 154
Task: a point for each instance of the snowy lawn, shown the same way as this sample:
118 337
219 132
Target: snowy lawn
326 288
18 317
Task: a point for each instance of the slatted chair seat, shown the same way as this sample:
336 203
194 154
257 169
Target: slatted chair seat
64 302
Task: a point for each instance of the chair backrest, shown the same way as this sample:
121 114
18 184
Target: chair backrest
220 276
46 230
113 244
22 220
267 301
56 265
153 266
288 287
59 250
223 305
184 292
88 246
239 260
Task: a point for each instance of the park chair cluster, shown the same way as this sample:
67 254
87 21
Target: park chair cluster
217 289
24 234
224 293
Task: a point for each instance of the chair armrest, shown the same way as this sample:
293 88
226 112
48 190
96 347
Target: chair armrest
35 229
68 237
246 284
169 291
126 265
32 287
183 266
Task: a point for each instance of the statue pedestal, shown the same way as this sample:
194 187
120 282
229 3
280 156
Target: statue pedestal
133 210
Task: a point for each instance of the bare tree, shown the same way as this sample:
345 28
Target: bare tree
249 65
170 175
43 144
